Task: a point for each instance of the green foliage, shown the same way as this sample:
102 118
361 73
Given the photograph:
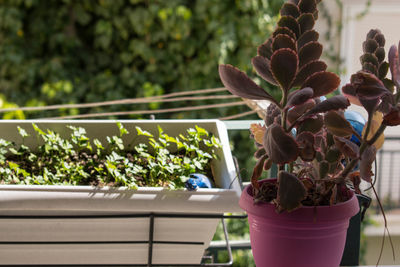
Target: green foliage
86 51
74 161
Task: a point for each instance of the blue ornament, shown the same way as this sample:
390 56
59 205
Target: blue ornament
357 122
196 181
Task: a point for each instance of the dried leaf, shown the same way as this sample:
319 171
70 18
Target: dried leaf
309 52
258 131
333 103
291 23
308 70
306 22
299 97
280 146
291 191
367 158
290 9
239 84
284 67
283 41
307 37
258 169
337 124
348 148
322 83
377 119
262 67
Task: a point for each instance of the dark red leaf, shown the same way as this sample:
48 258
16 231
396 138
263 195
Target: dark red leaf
348 148
284 30
309 52
308 70
368 86
370 58
337 124
369 46
291 23
322 83
380 54
350 93
307 6
239 84
367 158
283 41
371 34
291 191
333 103
280 146
265 50
306 140
392 118
369 67
380 39
307 37
284 64
306 22
299 97
262 67
383 70
295 112
313 125
290 9
394 63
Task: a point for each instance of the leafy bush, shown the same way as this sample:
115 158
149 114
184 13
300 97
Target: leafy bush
87 51
79 160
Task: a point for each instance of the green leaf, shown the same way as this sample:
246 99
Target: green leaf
22 132
122 129
141 132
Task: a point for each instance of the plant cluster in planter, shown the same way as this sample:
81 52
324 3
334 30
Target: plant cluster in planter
78 160
307 136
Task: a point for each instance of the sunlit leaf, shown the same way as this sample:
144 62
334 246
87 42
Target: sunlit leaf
258 131
377 119
238 83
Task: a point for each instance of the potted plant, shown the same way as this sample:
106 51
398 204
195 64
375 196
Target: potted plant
89 219
301 217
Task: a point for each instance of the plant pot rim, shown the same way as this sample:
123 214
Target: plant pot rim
315 214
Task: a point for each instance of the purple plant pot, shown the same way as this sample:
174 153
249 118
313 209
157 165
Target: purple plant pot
306 237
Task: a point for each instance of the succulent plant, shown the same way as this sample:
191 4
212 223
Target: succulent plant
306 136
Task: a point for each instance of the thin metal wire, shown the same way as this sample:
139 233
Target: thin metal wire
142 112
238 115
143 100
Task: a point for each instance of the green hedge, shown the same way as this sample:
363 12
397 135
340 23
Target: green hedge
69 51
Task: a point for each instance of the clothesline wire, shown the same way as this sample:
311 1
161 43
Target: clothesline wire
172 97
142 112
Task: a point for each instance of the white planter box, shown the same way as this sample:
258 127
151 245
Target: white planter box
25 234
